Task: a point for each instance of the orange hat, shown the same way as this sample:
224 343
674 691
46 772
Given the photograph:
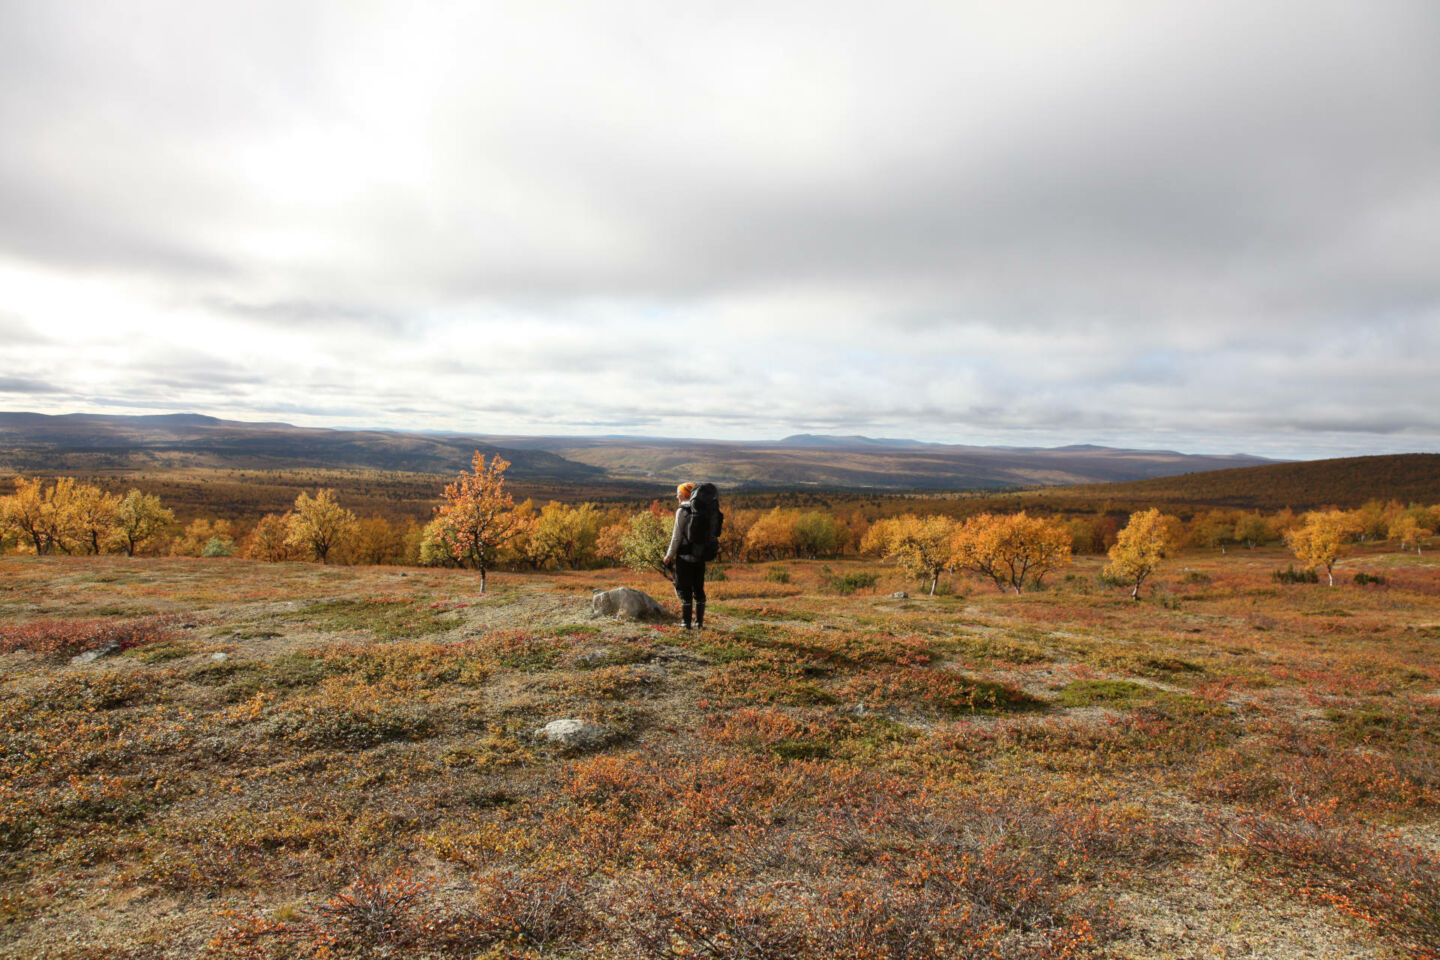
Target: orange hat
684 490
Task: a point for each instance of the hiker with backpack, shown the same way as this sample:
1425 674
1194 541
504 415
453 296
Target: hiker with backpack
696 539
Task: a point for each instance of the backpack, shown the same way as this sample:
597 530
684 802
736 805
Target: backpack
703 523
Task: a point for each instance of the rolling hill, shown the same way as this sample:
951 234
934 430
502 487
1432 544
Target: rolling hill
94 444
1345 482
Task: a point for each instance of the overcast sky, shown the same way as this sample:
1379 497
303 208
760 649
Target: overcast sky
1209 226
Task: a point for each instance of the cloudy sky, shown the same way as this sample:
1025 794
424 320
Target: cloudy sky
1209 226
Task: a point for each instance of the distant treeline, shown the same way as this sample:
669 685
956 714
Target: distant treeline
67 516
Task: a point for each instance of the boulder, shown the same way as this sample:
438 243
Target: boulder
90 656
627 604
574 734
900 595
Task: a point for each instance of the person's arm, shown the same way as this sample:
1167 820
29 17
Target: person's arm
675 536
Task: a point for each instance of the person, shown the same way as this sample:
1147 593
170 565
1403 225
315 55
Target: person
689 571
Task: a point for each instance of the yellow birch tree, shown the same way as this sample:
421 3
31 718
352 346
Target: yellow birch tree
1139 548
1323 538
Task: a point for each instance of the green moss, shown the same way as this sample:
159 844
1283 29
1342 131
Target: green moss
726 652
1110 693
162 652
801 750
386 619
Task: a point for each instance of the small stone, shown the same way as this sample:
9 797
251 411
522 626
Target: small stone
90 656
573 734
900 595
219 657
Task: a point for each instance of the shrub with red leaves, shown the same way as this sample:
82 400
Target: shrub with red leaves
67 638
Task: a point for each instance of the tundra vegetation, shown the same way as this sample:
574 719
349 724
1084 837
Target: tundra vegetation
338 759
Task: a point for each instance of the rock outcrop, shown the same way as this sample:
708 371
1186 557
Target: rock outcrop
627 604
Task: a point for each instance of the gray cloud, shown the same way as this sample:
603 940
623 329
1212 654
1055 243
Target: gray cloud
1212 220
23 386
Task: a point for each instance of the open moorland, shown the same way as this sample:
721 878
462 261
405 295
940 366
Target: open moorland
294 760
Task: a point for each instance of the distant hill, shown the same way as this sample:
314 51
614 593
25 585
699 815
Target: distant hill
1346 482
93 443
90 443
860 462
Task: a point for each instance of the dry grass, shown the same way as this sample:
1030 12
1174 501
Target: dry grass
1232 768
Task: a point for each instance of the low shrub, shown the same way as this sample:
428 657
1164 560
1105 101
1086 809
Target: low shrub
1291 575
349 716
68 638
847 583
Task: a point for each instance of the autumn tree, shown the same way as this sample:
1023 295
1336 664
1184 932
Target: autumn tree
1372 519
733 534
43 515
920 546
140 518
1146 540
477 515
609 542
1252 530
203 537
319 524
269 540
24 512
94 517
375 541
438 547
851 529
1011 549
1214 528
1323 538
564 535
1406 530
643 547
771 536
816 534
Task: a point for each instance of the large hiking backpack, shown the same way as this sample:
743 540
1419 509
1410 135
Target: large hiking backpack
701 539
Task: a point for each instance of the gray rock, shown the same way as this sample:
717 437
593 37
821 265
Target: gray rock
627 604
574 734
90 656
219 657
900 595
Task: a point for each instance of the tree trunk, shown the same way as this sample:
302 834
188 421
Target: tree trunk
933 581
482 577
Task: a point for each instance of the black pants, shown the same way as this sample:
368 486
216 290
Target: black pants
690 588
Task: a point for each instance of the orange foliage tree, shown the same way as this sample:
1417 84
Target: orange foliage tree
477 515
920 546
1011 549
771 536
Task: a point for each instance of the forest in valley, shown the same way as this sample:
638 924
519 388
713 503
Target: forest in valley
370 518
